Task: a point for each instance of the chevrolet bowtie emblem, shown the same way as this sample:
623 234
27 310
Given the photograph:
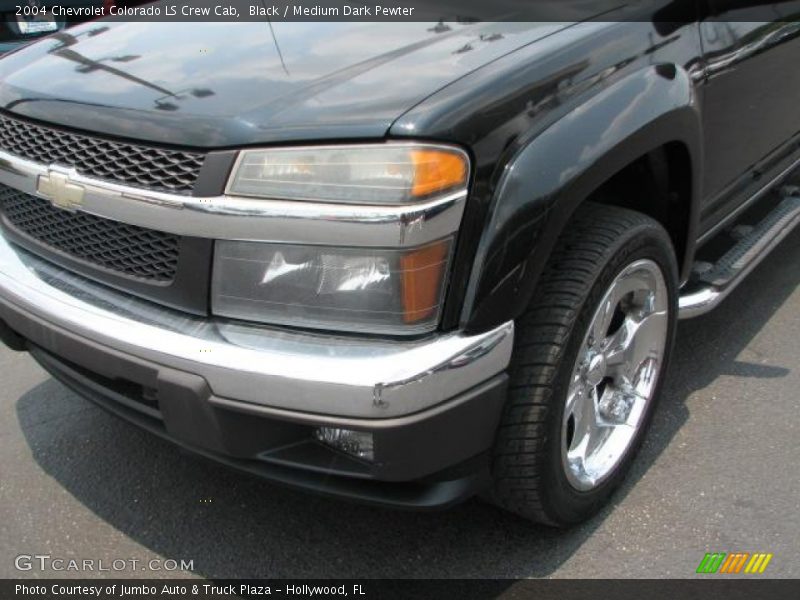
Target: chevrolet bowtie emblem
62 193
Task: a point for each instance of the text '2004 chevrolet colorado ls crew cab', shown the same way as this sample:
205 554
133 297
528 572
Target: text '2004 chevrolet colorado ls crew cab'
404 263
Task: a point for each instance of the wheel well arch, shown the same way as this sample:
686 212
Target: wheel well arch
658 184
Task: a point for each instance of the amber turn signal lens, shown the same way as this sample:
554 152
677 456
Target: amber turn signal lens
437 171
423 279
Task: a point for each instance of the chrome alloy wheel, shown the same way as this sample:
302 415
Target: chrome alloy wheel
615 374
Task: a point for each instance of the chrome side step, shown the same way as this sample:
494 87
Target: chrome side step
707 290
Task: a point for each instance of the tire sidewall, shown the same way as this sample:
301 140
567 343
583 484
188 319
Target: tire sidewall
648 241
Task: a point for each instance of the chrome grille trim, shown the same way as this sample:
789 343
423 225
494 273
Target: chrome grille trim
252 219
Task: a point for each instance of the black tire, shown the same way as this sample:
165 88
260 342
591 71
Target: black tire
528 476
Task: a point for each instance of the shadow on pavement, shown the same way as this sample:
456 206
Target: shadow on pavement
234 526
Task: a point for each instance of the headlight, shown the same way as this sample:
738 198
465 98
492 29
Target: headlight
395 173
395 291
346 288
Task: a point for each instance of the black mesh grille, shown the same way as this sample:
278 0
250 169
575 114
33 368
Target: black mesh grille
142 166
126 249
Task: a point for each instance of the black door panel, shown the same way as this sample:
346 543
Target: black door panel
751 112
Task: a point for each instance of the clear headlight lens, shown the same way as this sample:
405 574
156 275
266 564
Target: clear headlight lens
396 291
374 174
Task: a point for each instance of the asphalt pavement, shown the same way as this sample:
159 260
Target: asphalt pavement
718 473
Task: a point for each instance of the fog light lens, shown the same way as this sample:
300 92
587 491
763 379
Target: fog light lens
355 443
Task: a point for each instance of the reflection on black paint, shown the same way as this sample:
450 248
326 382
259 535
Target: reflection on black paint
167 99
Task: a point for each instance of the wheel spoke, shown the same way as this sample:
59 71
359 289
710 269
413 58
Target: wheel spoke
573 395
639 403
635 342
594 426
588 420
648 340
585 415
602 320
618 344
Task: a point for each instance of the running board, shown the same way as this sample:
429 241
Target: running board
706 291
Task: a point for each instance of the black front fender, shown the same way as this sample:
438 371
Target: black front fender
548 178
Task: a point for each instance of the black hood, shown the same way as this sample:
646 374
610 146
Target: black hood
220 85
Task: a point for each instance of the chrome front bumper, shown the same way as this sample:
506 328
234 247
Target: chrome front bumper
249 364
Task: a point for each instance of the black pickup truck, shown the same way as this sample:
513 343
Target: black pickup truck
402 263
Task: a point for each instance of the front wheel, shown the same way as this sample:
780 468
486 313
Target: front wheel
589 359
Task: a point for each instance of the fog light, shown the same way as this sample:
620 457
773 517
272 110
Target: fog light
355 443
